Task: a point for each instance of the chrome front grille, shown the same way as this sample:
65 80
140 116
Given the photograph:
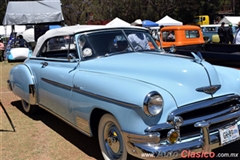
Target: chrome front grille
191 131
205 110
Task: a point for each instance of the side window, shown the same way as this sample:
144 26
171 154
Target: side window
211 29
58 47
168 36
192 34
56 43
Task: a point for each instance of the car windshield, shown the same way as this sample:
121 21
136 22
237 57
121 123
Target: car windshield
106 43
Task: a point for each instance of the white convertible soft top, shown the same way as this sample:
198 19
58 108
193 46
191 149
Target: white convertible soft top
70 30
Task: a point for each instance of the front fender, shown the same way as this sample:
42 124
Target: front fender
120 96
22 83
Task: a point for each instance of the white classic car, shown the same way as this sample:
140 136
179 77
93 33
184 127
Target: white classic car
116 84
15 51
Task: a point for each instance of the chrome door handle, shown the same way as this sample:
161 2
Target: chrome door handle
44 64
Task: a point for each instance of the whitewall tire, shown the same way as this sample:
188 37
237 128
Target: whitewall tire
110 139
28 108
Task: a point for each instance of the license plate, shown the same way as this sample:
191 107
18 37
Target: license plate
229 134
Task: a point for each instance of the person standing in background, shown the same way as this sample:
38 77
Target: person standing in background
229 33
222 33
20 42
139 40
237 36
2 49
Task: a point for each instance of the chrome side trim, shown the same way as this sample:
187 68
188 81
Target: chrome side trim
66 121
32 95
56 84
77 89
103 98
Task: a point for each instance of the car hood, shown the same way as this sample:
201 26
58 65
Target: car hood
177 75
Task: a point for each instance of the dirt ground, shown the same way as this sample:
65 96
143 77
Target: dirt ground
45 137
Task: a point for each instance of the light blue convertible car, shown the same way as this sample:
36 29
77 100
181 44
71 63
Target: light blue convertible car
116 84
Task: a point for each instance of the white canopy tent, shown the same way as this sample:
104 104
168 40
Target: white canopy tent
168 21
230 19
39 13
118 22
33 12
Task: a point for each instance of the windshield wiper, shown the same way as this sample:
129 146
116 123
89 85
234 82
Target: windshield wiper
142 50
115 53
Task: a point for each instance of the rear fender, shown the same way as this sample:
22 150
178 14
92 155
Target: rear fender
22 83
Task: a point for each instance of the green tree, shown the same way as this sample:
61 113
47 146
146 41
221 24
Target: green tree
75 11
2 11
128 10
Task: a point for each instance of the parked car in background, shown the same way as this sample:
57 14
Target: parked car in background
16 51
210 32
201 20
189 38
184 35
115 83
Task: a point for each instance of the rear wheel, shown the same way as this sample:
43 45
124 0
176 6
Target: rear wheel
110 139
28 108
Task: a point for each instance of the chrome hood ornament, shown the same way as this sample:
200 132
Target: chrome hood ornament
197 57
209 89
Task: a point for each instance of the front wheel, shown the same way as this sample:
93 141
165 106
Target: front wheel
28 108
110 139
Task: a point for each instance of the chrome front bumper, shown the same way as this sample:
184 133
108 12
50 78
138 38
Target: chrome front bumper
153 149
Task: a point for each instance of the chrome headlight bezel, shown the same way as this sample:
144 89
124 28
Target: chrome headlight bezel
153 104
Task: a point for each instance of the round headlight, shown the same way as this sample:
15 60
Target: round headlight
153 104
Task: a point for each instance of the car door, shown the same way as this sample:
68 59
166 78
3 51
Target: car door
55 79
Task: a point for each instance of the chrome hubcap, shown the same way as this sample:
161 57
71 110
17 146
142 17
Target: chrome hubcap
113 141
